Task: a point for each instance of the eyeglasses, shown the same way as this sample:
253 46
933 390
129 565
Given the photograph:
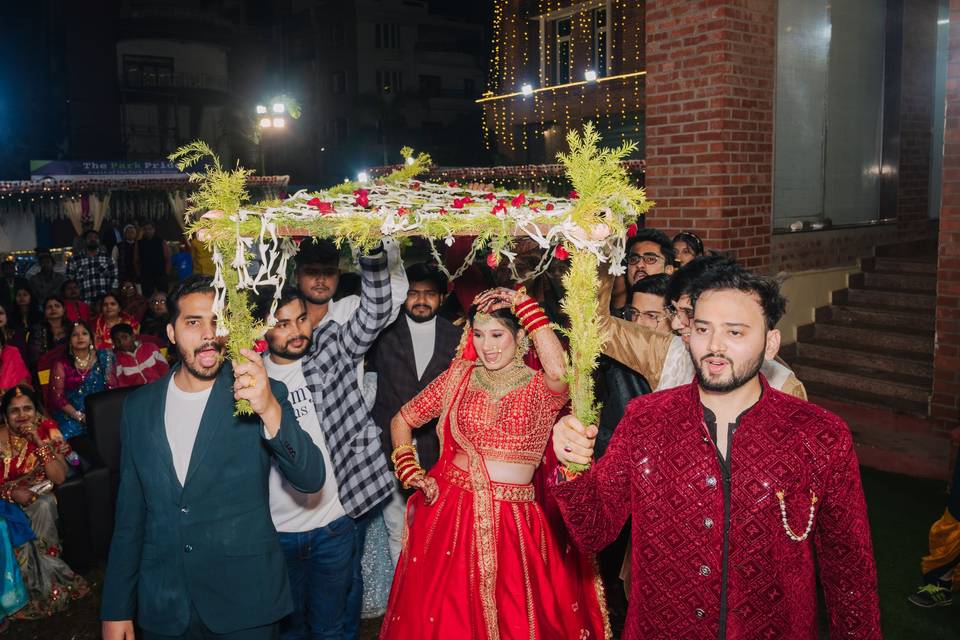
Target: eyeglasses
673 312
649 259
632 314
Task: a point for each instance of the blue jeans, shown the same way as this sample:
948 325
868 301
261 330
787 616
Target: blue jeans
321 566
351 625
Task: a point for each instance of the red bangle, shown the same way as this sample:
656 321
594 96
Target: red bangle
540 323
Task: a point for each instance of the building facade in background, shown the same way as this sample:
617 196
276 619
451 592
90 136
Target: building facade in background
556 64
376 75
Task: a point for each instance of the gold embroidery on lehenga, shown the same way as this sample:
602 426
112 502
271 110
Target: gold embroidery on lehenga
527 587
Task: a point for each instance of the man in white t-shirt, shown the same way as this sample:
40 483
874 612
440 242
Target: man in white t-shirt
317 535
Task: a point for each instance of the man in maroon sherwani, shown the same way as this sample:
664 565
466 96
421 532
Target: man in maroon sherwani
731 486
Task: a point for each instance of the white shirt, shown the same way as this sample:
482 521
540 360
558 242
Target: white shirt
181 420
293 511
424 335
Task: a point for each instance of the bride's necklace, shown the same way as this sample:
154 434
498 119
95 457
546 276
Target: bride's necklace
499 383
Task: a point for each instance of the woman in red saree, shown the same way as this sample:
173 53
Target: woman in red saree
480 558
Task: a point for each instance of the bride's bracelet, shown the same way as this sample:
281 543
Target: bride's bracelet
532 318
405 465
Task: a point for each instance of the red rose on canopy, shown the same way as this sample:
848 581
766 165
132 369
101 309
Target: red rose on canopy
500 207
518 200
362 199
323 207
402 211
560 253
260 346
489 196
442 211
573 195
632 230
549 206
415 186
457 203
493 260
453 183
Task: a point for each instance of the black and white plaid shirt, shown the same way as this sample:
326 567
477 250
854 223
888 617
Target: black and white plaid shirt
330 369
96 275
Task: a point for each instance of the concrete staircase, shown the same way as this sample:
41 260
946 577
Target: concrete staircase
869 358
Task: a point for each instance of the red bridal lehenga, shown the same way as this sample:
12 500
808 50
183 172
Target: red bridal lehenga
485 561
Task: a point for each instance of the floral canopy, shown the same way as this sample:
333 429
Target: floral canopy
587 227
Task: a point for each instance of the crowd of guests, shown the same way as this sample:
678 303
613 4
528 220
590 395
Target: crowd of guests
356 355
96 323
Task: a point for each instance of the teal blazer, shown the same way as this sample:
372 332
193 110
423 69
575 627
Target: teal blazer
210 543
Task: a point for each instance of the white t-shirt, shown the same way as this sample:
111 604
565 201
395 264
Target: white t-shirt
424 335
293 511
181 420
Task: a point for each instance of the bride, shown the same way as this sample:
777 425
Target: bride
480 558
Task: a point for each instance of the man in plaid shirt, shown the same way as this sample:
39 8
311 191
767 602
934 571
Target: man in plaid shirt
93 269
330 368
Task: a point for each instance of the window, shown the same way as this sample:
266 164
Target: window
430 86
337 130
386 36
600 41
338 82
564 58
147 71
389 81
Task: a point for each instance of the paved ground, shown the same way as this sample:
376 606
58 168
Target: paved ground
901 510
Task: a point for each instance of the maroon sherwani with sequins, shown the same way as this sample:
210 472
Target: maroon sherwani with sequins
711 554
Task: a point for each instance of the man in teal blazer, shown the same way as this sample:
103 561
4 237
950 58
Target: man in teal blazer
194 551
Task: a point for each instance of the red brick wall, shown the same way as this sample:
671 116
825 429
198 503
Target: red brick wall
945 402
916 110
710 83
805 251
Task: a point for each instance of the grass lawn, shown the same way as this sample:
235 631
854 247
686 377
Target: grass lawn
901 511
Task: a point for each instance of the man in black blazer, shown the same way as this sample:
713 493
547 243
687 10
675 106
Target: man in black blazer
194 552
408 355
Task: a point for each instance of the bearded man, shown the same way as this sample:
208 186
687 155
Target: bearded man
732 486
194 552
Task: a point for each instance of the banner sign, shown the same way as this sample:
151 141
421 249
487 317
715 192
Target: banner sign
67 169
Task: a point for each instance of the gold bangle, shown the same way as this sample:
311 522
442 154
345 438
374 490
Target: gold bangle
549 325
400 449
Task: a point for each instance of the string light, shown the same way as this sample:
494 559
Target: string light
550 108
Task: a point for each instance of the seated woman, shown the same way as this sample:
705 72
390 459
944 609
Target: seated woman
82 371
111 314
52 331
12 369
156 318
15 337
33 453
132 302
26 313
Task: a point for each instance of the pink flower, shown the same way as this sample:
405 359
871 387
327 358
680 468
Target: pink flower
632 230
518 200
260 346
560 253
550 206
573 195
493 260
402 211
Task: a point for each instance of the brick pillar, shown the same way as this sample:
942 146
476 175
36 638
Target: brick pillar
710 82
945 402
917 70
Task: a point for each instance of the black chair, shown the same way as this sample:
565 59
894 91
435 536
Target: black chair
104 412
